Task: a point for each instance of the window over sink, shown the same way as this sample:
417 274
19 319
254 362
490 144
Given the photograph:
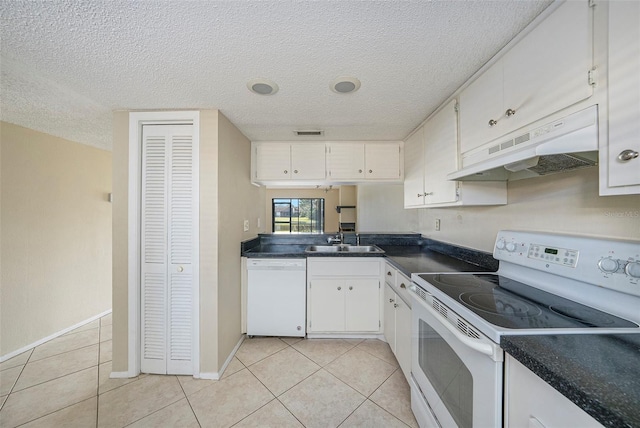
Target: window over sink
297 215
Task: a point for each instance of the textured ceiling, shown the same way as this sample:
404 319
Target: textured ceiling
67 65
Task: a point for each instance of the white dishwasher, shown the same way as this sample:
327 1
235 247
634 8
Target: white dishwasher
276 297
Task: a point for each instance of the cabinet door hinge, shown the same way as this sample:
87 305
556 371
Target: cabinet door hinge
379 323
593 76
456 107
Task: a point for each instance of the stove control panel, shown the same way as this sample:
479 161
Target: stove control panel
626 267
607 263
560 256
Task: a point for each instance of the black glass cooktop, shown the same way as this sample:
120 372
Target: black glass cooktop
512 304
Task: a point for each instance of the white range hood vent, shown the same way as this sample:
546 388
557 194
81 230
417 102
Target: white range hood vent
562 145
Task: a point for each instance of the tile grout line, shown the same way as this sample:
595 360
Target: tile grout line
17 378
164 407
65 352
56 378
195 415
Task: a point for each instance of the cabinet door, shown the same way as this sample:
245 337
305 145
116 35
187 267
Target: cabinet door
481 102
403 337
326 305
534 403
362 305
440 140
273 161
390 317
382 161
308 161
548 69
414 170
624 94
346 161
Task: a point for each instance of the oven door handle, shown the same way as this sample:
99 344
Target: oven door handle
483 348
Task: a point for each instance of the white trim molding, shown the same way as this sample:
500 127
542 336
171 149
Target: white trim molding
136 121
218 375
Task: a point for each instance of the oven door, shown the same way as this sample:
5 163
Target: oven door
457 369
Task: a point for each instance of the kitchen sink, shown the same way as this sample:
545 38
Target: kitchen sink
343 248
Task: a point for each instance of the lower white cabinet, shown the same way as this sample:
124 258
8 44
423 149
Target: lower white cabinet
531 402
397 318
343 295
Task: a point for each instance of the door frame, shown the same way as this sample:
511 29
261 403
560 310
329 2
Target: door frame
136 121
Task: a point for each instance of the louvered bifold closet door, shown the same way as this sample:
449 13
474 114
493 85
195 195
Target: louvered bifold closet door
167 249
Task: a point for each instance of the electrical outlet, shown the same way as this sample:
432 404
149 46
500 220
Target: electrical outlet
258 223
246 225
437 224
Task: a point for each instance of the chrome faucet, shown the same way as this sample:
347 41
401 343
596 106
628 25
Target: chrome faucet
338 239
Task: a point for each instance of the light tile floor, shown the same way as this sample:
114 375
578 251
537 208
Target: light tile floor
271 382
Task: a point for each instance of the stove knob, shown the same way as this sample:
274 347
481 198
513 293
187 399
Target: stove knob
633 269
500 244
511 247
608 265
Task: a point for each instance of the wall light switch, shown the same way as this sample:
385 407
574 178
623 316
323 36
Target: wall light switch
437 224
246 225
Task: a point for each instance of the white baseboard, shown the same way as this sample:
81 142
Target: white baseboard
209 376
53 336
218 375
345 336
120 375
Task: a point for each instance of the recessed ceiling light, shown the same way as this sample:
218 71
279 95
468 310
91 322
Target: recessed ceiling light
262 86
345 85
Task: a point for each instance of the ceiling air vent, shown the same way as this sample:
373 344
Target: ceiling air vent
309 133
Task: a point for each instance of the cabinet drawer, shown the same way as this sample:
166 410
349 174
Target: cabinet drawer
389 274
344 267
402 288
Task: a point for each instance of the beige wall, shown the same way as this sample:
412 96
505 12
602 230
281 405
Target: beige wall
209 239
331 201
381 209
238 200
561 203
120 236
55 235
226 199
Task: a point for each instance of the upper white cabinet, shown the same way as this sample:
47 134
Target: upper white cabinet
289 161
359 161
345 161
544 72
620 163
277 162
430 154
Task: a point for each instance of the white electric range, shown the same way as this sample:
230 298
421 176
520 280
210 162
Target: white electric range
546 284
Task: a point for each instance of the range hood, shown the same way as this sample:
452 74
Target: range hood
562 145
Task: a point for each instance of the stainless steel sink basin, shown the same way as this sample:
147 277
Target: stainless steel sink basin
342 248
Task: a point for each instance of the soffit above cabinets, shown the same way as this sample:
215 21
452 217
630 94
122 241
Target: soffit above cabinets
67 65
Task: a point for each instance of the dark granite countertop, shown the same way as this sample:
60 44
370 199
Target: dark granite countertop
600 373
409 252
417 259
